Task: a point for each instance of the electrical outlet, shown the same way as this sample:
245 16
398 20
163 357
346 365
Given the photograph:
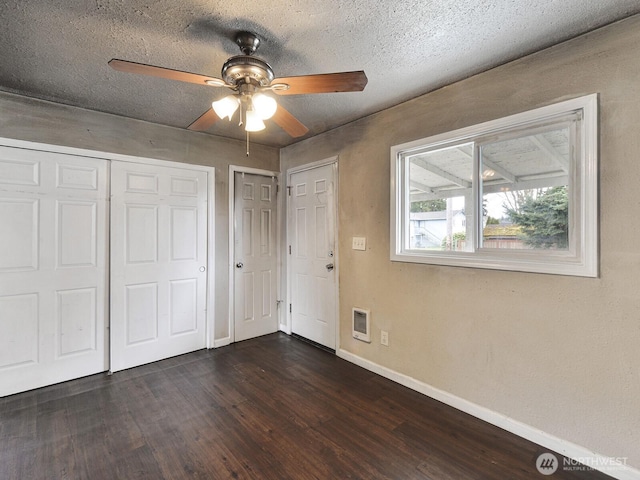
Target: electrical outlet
359 243
384 338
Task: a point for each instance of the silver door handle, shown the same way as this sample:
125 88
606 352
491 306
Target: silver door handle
239 265
329 266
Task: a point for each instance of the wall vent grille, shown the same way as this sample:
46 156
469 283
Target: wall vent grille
361 324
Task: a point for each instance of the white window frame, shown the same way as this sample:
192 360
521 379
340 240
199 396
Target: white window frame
581 258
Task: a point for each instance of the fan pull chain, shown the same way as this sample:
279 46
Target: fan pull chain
247 144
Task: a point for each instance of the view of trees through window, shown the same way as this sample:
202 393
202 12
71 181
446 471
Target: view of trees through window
527 219
429 205
542 215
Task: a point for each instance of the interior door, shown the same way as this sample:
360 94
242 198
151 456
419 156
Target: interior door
255 262
311 227
158 262
53 276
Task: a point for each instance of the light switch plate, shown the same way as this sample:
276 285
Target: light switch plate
359 243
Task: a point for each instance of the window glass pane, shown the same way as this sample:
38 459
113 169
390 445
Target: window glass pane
516 193
525 190
439 184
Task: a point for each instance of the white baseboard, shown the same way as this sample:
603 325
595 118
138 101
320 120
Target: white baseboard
222 342
568 449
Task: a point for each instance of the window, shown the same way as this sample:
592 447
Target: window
518 193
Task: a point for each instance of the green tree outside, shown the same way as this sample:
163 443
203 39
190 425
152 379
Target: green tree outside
429 205
543 218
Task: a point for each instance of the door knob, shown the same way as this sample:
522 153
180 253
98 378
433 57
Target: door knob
329 266
239 265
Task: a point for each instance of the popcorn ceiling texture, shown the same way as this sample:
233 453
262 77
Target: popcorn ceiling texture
58 50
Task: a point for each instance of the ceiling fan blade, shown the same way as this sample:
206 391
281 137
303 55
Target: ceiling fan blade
204 121
289 123
143 69
323 83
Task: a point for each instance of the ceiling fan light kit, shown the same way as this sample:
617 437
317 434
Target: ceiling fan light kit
264 105
249 77
253 122
226 107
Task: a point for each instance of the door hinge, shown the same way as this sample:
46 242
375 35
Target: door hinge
289 187
289 249
290 310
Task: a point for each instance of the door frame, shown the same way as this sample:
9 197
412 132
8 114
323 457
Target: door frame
211 183
233 169
333 161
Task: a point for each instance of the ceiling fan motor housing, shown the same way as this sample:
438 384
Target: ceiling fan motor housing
241 67
248 42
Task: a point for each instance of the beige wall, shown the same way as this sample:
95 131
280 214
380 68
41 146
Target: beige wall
37 121
561 354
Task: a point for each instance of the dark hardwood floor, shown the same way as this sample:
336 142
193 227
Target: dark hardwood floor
268 408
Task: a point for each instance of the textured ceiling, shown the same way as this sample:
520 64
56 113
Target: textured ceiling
58 49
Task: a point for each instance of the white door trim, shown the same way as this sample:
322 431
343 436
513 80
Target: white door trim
309 166
81 152
231 314
336 252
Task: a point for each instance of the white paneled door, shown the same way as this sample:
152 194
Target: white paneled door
53 272
255 251
311 227
158 262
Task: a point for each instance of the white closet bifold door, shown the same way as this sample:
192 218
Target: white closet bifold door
158 262
53 268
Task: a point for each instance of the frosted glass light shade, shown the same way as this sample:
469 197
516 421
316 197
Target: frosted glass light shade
253 122
226 107
264 105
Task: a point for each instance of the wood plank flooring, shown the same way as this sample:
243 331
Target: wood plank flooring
268 408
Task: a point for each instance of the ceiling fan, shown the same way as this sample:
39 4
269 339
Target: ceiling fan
250 77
